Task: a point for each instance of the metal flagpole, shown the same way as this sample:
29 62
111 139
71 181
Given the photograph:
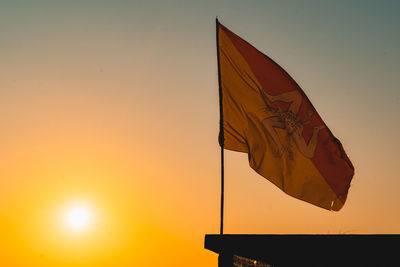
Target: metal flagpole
221 133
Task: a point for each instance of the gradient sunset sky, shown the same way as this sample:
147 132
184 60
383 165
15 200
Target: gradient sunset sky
113 105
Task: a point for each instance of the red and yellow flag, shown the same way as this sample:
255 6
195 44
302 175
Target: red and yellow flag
267 115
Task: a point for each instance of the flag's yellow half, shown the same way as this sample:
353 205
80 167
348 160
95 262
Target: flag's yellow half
267 115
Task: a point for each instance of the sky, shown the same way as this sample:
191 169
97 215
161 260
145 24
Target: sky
112 107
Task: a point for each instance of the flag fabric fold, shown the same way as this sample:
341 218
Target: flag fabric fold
267 115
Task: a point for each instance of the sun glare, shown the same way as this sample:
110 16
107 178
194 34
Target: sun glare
78 217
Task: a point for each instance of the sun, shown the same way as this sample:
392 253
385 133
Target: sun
78 217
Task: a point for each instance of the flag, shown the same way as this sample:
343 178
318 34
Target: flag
266 114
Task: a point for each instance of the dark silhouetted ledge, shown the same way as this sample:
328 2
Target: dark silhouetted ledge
308 250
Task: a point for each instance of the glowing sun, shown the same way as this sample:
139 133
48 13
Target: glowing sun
78 217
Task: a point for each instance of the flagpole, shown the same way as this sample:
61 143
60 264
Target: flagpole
221 132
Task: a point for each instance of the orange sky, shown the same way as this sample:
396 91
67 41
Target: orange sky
115 105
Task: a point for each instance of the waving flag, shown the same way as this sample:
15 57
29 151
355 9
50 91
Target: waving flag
266 114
